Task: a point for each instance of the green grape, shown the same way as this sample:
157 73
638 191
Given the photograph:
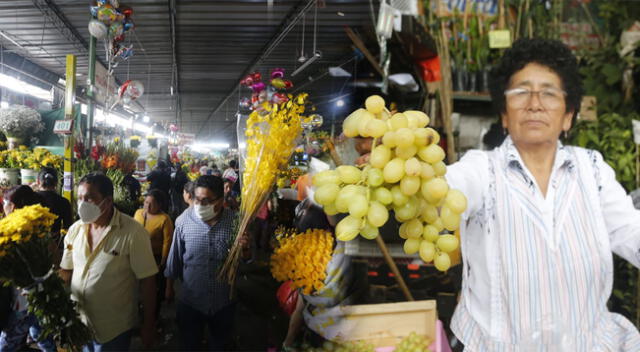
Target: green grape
330 209
422 118
349 174
412 167
375 177
394 170
369 231
414 228
427 251
430 233
384 115
358 207
405 212
447 243
435 188
402 231
380 156
344 198
377 214
431 153
411 246
426 171
429 213
389 138
374 104
406 153
376 128
326 194
450 220
348 228
440 168
399 198
398 121
351 123
434 137
383 195
456 201
439 226
409 185
442 261
365 118
412 121
404 137
421 137
324 177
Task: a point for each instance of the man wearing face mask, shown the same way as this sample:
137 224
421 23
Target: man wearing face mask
201 240
107 255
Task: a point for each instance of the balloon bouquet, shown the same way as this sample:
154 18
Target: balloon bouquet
271 94
111 20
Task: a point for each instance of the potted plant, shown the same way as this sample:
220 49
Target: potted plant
134 141
19 123
9 168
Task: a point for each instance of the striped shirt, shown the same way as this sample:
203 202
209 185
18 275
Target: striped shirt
197 252
538 270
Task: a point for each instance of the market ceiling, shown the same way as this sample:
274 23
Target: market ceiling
195 81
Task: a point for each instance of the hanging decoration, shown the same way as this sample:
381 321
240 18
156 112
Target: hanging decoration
263 93
129 91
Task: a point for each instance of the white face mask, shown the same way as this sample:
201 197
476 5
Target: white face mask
89 212
205 212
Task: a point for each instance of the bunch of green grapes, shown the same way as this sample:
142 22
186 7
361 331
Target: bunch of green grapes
412 343
405 173
353 346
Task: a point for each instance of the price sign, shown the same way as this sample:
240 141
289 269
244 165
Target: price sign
63 127
499 39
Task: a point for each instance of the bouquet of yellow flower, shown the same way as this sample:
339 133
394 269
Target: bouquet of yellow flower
10 159
302 258
270 140
153 141
27 263
134 141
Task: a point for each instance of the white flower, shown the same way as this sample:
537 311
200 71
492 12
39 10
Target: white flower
20 121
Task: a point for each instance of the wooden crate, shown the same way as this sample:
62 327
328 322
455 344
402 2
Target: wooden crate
387 324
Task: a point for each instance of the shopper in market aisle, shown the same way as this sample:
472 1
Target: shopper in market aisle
160 228
107 256
19 322
231 171
47 182
201 241
542 220
160 178
187 193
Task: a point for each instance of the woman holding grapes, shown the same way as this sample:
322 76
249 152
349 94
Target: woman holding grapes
543 220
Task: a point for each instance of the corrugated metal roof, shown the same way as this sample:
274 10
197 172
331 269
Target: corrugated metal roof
216 41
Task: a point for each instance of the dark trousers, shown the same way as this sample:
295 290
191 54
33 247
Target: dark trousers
191 323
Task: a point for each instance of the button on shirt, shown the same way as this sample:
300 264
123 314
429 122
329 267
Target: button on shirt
538 268
105 280
197 253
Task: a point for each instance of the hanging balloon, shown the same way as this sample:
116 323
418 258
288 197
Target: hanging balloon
279 98
98 29
245 103
262 96
126 11
107 14
125 52
101 2
119 38
277 73
288 84
173 128
247 81
278 83
128 25
94 10
130 90
256 76
116 29
258 87
115 3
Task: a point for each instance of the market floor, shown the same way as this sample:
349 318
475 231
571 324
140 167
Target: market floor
260 324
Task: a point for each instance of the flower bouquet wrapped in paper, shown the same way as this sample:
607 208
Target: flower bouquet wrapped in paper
27 263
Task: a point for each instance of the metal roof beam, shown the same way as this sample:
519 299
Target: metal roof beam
175 68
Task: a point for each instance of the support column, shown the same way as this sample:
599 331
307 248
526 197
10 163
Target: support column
91 105
69 100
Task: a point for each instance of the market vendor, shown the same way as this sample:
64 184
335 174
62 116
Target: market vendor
542 221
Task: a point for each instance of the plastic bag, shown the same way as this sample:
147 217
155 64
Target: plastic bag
287 297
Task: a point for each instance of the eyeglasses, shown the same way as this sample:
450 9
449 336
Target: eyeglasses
206 201
550 98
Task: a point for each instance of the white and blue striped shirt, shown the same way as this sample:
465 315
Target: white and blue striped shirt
538 270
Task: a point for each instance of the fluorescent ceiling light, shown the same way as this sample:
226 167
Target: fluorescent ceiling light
4 104
145 118
142 128
19 86
340 103
205 147
338 72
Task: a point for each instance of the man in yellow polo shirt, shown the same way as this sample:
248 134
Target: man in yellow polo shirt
107 254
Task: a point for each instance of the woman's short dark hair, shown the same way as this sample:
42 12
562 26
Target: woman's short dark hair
48 177
101 181
159 196
213 183
546 52
22 196
189 187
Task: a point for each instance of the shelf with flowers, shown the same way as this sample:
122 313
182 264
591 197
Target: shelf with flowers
153 141
134 141
20 124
